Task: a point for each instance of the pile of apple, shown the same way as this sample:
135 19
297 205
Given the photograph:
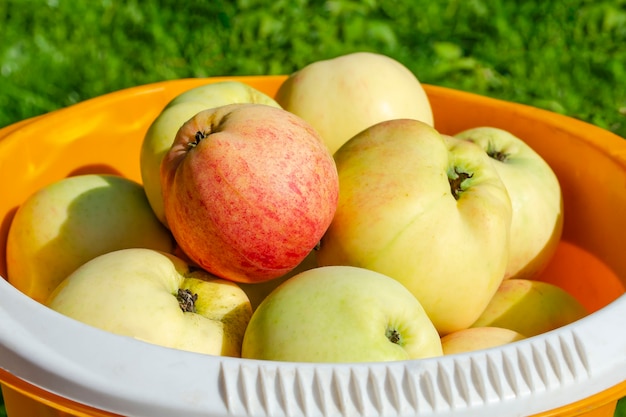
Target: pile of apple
330 223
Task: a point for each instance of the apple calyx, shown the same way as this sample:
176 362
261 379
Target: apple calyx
187 300
498 155
393 335
456 182
198 137
492 151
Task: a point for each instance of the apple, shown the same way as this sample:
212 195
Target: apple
72 220
158 298
161 133
248 191
344 95
530 307
478 338
219 93
340 314
426 209
535 192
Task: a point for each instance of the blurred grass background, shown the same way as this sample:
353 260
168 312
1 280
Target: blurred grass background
564 56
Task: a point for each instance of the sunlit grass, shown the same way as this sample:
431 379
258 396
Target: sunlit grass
563 56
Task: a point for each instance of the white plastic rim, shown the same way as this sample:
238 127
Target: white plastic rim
129 377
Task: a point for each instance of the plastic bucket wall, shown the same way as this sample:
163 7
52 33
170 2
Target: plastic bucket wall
104 135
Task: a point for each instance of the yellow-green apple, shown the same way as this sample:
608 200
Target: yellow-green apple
161 133
426 209
248 190
530 307
340 314
535 192
72 220
344 95
477 338
158 298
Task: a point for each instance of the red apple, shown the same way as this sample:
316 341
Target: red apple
248 190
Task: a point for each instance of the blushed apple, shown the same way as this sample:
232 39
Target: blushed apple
157 298
249 190
73 220
340 314
161 133
426 209
344 95
478 338
530 307
535 192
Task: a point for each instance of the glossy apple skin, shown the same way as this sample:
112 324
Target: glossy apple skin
340 314
396 215
478 338
70 221
535 192
252 199
344 95
530 307
162 131
133 292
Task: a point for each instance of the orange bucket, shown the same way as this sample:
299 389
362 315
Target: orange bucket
53 366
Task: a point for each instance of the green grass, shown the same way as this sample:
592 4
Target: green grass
621 408
564 56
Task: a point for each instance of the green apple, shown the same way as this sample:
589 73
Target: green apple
161 133
477 338
342 96
340 314
158 298
530 307
426 209
535 192
72 220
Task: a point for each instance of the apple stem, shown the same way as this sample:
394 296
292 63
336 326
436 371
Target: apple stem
456 182
187 300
